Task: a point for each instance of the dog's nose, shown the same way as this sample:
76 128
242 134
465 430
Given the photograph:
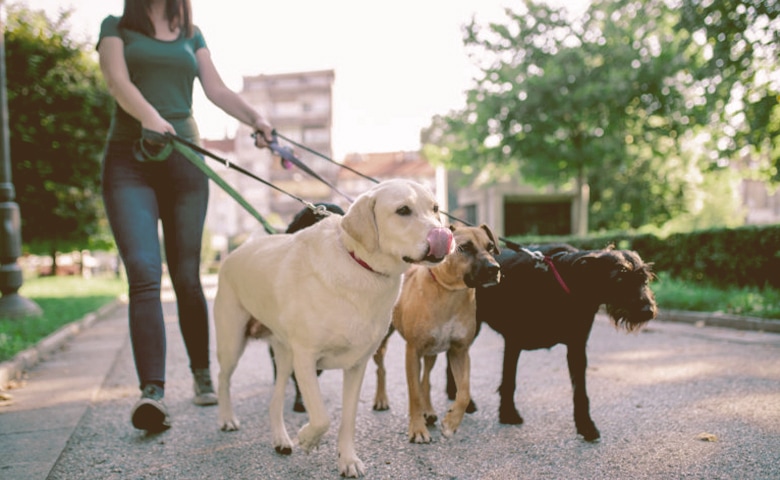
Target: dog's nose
487 274
494 272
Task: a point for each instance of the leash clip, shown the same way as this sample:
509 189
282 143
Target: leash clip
319 211
538 257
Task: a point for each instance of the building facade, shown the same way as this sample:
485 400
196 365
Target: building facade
300 106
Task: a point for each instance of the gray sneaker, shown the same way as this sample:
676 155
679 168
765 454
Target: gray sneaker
150 413
204 389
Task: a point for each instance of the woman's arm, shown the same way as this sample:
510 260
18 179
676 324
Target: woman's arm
228 100
127 95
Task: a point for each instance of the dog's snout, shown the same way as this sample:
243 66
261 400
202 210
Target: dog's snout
487 274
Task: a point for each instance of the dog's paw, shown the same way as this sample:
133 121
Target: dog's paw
510 417
282 443
283 449
381 404
420 437
309 437
430 419
419 434
589 432
450 425
351 467
229 425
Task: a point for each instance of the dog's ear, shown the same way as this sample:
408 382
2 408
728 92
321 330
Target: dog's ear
360 222
587 259
496 249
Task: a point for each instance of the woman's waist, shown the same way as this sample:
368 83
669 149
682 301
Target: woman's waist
126 128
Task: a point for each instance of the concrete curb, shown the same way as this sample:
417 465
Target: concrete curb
717 319
23 361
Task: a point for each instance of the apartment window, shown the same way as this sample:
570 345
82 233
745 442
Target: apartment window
287 108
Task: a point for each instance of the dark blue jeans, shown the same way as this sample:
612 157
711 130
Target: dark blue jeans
138 196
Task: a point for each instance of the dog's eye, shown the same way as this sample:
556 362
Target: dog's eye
467 247
404 211
435 209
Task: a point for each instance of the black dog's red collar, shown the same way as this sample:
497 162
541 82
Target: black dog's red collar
547 261
558 277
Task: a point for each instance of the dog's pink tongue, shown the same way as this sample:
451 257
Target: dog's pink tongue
440 242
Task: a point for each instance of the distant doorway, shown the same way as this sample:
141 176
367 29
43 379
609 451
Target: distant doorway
537 218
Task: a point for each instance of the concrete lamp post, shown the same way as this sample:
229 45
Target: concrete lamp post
12 305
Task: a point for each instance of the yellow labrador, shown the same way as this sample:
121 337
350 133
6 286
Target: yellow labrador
323 298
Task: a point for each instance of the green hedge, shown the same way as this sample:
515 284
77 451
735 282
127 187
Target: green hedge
745 256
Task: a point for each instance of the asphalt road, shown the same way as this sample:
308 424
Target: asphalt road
673 401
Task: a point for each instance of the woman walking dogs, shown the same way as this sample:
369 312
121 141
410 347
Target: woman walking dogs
150 58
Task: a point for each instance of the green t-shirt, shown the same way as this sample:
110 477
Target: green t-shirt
164 72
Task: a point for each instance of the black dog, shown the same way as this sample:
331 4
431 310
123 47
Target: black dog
551 297
306 218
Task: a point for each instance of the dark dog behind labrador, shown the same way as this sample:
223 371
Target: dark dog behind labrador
551 297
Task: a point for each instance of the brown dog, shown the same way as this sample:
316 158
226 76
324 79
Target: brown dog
435 313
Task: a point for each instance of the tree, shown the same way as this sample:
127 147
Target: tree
59 110
739 41
606 100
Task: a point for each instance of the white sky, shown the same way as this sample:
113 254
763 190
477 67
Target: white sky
397 64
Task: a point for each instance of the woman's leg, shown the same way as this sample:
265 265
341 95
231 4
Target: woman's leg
132 210
183 211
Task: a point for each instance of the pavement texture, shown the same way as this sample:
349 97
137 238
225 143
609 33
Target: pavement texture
679 399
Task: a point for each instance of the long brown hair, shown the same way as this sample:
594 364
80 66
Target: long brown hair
178 12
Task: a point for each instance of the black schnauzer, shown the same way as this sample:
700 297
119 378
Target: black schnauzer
550 295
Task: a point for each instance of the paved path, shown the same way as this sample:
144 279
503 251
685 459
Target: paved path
654 395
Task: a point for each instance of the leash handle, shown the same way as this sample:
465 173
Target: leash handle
152 146
284 153
289 160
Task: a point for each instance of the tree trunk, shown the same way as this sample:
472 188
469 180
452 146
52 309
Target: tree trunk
53 254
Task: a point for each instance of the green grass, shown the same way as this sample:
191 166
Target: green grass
63 300
674 294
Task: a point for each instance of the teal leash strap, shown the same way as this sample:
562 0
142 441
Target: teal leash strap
166 143
201 164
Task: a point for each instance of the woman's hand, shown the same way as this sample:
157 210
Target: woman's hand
159 125
264 132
